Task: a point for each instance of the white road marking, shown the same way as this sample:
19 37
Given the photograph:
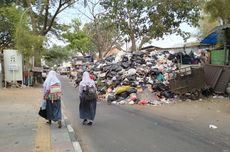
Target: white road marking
70 129
77 147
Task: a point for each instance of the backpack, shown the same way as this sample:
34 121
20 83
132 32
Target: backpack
55 92
90 94
56 88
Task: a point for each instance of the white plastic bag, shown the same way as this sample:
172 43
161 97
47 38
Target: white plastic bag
43 104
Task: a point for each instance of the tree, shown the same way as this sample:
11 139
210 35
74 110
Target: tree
43 14
77 38
42 17
101 30
219 10
6 2
9 17
56 55
144 20
27 43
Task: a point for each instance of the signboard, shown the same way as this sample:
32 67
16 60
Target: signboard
37 69
12 65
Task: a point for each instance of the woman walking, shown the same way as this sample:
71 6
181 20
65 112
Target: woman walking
52 95
88 99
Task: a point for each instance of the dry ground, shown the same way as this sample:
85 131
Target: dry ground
196 113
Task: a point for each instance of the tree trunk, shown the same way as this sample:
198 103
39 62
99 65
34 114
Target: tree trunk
131 32
133 47
144 40
37 56
2 74
37 63
106 52
100 54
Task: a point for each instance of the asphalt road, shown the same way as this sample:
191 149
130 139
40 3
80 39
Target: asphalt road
124 129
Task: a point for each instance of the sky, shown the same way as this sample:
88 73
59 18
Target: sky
168 41
176 41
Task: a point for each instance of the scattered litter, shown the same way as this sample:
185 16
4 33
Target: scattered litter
143 102
212 126
131 102
114 102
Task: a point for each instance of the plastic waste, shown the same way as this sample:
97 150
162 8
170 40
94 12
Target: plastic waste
114 102
143 102
212 126
122 102
122 89
131 103
133 96
131 72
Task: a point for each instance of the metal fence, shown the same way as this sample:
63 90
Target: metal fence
217 77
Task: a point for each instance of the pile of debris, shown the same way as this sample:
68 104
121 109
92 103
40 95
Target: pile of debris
137 78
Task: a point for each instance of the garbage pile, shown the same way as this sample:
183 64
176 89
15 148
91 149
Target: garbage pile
137 78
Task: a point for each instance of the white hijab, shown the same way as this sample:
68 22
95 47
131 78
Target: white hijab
86 80
50 80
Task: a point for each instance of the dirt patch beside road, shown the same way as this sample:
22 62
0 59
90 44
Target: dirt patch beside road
22 95
18 116
196 113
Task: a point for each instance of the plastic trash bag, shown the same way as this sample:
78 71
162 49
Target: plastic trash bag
143 102
43 104
121 89
131 72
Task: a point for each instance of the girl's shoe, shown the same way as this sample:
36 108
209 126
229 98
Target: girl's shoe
85 122
49 122
90 123
59 124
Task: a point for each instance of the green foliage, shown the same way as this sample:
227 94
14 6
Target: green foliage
147 19
56 55
219 10
43 16
9 17
27 42
6 2
42 19
77 38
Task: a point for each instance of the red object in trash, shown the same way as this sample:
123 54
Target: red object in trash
143 102
109 90
133 98
91 76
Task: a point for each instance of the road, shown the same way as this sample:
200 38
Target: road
126 129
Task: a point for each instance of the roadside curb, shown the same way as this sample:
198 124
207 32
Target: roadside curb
75 143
